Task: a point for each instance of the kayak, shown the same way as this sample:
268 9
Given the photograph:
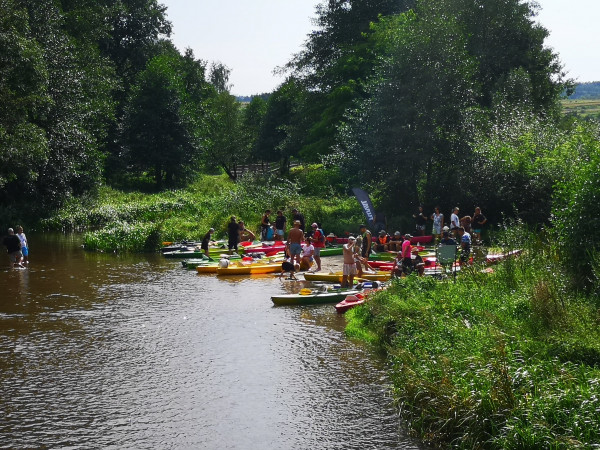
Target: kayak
332 251
250 269
337 276
349 302
312 297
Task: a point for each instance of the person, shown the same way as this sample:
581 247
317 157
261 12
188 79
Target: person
420 221
406 254
382 243
417 262
13 248
233 231
295 237
465 222
24 245
366 241
318 242
479 220
454 221
244 233
465 245
446 239
349 269
206 241
308 253
296 215
265 226
396 242
280 223
438 223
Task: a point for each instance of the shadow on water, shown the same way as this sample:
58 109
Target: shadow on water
135 352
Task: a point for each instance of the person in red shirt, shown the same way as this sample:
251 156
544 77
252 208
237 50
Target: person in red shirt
318 242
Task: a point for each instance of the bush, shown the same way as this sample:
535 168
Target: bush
575 213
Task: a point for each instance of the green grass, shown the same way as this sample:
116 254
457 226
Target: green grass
503 360
120 221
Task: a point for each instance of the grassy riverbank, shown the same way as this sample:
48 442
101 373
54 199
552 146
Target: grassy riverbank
503 360
136 222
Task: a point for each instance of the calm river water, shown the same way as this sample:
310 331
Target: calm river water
106 351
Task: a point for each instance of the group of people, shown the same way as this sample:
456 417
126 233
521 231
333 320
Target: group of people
471 224
17 247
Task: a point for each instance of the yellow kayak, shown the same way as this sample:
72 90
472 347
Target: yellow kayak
250 269
337 276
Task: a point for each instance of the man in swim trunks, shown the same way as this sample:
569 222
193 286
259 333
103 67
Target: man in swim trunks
295 237
349 269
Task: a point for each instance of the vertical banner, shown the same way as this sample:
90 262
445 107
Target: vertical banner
365 202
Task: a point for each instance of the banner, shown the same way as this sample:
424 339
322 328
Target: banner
365 202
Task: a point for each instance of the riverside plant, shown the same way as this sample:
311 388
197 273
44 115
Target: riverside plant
508 359
136 222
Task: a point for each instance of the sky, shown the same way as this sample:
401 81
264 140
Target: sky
253 37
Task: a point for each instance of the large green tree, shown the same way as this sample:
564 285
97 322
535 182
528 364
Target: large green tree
333 66
165 125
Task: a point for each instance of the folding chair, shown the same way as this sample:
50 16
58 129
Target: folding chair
446 256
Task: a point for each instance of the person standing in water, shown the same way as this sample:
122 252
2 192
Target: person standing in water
24 245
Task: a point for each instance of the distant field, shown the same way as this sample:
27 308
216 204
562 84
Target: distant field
582 108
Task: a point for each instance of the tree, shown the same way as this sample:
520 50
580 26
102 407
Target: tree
157 132
416 109
336 61
227 149
23 95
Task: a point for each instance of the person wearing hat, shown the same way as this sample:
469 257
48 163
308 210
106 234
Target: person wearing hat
295 237
206 240
233 233
446 239
349 268
318 242
396 242
382 243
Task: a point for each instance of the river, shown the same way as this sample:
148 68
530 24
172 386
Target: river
113 351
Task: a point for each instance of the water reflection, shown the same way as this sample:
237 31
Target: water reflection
136 352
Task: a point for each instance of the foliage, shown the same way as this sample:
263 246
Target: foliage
161 121
574 215
502 360
186 214
416 109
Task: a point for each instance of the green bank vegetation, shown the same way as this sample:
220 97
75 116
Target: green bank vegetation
117 221
509 359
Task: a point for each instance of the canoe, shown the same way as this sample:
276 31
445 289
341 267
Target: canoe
337 276
311 297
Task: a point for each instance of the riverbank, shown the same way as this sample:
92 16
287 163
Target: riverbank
508 359
118 221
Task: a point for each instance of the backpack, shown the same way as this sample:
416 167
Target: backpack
321 235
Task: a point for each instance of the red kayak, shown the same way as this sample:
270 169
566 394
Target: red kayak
278 246
350 302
